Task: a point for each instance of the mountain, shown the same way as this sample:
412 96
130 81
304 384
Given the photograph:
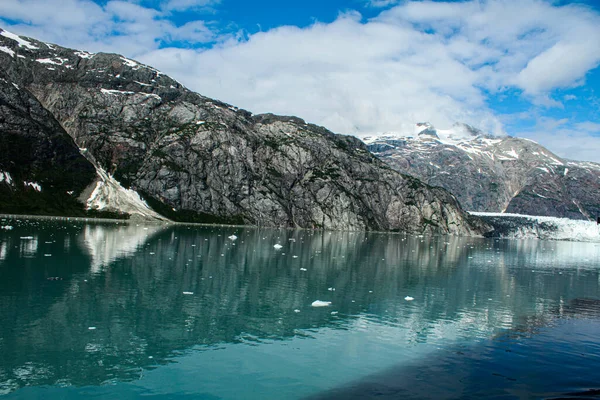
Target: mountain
494 174
159 147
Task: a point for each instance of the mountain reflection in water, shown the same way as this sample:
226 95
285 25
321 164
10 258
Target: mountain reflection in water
84 305
552 356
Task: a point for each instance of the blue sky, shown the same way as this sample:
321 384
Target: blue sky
524 67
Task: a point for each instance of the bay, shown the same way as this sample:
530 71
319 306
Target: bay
112 310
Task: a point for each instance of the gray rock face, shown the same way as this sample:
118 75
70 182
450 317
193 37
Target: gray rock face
199 159
494 174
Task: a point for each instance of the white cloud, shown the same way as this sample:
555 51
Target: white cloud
569 97
381 3
568 142
180 5
118 26
588 126
416 61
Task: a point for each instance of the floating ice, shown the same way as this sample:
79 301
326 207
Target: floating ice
232 237
26 237
408 298
319 303
188 292
278 246
303 269
92 328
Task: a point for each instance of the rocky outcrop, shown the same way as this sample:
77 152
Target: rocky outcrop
494 174
194 158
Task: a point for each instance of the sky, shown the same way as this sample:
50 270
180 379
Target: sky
527 68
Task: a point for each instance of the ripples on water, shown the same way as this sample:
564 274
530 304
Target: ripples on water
118 310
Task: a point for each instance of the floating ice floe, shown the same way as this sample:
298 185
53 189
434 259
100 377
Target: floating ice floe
188 292
303 269
92 328
319 303
278 246
408 298
232 237
26 237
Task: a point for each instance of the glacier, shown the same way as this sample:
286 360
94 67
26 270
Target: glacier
519 226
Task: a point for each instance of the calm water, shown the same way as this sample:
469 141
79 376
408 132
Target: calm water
125 311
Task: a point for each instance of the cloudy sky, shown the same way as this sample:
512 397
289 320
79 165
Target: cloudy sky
526 68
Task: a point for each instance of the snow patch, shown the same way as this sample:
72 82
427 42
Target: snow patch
49 61
129 63
115 92
5 177
36 186
84 54
7 51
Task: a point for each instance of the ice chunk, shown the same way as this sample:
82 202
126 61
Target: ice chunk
319 303
188 292
408 298
232 237
278 246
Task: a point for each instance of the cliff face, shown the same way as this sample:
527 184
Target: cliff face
494 174
194 158
41 169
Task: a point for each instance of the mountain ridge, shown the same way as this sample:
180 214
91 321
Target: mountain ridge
203 160
499 174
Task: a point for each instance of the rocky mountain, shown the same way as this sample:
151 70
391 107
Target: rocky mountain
494 174
155 143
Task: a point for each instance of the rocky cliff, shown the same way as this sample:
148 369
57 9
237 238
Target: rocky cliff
494 174
197 159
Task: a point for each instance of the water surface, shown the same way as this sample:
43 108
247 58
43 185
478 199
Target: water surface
123 311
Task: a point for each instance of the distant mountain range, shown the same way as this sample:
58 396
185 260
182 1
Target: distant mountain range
494 174
85 133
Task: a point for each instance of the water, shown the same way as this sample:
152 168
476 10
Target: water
178 312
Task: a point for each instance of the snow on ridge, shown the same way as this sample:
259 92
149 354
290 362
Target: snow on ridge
109 194
22 42
129 63
519 226
84 54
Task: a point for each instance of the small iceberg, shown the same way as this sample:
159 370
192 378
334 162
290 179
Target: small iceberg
319 303
408 298
188 292
232 237
278 246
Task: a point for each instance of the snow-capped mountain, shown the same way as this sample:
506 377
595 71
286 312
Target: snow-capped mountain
494 174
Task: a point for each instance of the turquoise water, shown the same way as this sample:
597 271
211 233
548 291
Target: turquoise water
125 311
